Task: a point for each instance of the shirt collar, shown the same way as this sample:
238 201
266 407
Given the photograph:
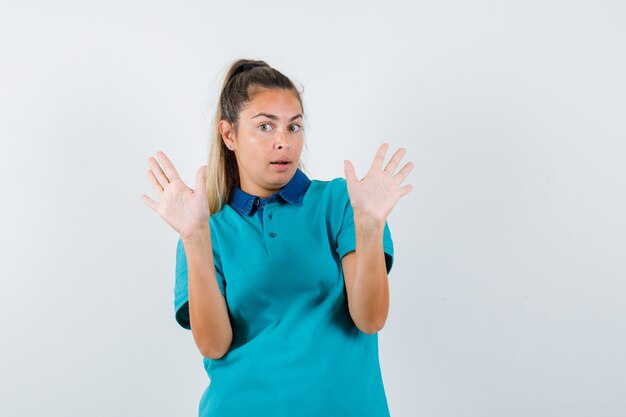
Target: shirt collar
293 192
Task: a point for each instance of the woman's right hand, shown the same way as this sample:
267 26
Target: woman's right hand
184 209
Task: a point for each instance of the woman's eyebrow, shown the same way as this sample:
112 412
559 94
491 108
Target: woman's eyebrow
271 116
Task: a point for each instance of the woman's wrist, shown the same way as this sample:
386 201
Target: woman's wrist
197 235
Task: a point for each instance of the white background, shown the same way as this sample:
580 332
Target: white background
508 283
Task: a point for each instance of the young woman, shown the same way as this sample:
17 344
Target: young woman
282 280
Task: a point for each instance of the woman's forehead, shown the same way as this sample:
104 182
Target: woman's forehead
281 103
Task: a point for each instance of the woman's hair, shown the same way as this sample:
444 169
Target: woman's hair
239 84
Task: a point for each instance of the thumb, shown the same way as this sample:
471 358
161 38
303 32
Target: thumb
349 171
200 187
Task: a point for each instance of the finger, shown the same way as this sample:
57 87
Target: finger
394 161
349 171
201 181
168 167
155 184
402 174
150 202
405 190
380 157
158 172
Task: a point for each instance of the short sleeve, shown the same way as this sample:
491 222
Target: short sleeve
181 295
346 239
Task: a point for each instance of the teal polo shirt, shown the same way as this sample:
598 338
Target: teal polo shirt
295 349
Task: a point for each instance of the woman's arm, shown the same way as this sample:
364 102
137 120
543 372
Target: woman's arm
208 314
365 275
365 272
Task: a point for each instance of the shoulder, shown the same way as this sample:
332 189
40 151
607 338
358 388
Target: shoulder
227 215
333 190
222 223
330 199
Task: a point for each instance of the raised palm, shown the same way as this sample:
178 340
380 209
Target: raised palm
183 208
378 192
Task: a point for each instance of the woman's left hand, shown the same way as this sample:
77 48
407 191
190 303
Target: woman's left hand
374 196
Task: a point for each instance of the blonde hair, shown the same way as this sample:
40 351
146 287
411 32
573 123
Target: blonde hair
222 174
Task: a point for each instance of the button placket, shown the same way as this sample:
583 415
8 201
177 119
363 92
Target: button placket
272 240
271 233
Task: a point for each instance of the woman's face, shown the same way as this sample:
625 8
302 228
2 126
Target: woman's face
269 131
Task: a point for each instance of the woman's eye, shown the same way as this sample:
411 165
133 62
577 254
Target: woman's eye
296 128
264 124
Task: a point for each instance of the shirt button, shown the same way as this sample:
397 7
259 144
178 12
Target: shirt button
256 202
272 234
270 217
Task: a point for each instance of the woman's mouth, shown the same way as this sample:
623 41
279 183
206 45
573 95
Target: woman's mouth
280 165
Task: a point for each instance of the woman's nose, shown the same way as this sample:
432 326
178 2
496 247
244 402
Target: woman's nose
281 140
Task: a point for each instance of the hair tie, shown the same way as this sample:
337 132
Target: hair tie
246 67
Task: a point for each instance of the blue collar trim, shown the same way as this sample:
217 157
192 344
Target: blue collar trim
293 192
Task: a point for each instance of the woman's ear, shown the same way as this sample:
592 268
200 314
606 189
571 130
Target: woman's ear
228 134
